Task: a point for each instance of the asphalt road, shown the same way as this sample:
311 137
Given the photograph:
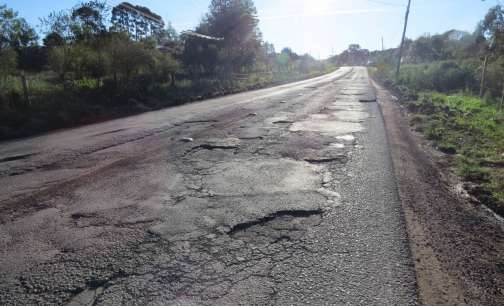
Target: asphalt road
281 196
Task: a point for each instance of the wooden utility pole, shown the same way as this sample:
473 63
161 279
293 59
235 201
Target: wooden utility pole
402 40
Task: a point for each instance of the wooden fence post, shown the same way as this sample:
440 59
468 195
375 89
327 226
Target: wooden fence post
24 83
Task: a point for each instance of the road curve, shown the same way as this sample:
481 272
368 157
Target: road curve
278 196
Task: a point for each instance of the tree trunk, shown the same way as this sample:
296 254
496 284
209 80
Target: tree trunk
483 76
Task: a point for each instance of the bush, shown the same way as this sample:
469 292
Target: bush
443 76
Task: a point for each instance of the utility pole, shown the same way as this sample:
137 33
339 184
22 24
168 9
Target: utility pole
382 46
402 40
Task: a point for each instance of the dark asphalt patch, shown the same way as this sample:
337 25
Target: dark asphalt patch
16 157
109 132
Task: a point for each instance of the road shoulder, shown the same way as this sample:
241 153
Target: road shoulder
458 248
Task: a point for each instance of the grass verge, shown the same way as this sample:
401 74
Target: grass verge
473 131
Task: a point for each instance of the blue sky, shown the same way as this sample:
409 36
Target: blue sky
318 27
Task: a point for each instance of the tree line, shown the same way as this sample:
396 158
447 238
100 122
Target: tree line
93 61
452 61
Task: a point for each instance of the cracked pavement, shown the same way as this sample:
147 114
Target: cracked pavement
281 196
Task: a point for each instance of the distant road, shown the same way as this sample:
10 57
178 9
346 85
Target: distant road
280 196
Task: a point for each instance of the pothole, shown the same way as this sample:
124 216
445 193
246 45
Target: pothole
283 122
326 159
368 99
261 221
217 144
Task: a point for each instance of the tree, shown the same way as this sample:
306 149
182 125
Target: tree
60 60
14 31
307 63
491 29
138 21
89 62
235 21
354 55
128 57
53 39
166 67
83 22
269 48
59 24
88 20
286 59
491 39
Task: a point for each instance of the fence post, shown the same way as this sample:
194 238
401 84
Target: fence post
24 83
502 99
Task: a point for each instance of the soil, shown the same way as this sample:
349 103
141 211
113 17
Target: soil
457 245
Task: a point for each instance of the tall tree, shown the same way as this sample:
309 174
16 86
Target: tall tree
139 21
235 21
491 39
88 19
15 32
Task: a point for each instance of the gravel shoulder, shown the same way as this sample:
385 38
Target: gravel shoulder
457 246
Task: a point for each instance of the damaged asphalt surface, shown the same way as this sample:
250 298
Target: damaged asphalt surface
281 196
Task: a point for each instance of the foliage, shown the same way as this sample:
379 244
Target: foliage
353 56
138 21
88 19
236 23
442 76
61 60
8 62
491 29
471 128
14 31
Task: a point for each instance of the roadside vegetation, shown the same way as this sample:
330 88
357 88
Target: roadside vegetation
474 131
453 86
94 62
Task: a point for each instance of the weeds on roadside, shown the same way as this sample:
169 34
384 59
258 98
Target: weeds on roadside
470 128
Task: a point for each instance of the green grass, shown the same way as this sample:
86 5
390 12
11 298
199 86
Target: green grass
470 128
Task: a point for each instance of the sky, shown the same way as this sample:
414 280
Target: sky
318 27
